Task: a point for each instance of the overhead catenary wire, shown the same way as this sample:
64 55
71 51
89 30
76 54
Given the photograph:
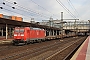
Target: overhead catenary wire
30 13
12 10
67 10
72 6
61 4
43 8
28 9
15 12
25 16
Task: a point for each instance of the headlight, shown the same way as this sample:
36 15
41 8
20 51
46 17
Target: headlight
22 34
15 34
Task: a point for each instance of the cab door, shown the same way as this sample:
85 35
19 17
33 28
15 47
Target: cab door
28 34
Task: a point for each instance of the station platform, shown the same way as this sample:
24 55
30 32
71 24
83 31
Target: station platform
5 41
83 53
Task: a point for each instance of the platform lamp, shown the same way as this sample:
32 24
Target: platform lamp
89 27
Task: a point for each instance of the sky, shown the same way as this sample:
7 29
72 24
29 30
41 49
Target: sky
46 9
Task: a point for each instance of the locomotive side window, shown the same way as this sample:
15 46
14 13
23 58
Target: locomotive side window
17 30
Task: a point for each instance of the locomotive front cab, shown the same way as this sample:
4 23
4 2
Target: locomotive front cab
18 35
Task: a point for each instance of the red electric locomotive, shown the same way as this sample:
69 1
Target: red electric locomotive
27 34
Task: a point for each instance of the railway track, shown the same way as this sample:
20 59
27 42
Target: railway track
64 53
69 56
36 51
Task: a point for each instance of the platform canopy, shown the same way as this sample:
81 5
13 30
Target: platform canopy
14 23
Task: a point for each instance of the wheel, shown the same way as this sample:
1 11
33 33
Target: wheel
26 43
13 43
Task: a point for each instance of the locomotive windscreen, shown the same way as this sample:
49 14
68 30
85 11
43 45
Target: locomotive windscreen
19 30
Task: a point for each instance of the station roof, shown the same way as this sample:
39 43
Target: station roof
14 23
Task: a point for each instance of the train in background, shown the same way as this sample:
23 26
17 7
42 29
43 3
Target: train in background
29 35
83 33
